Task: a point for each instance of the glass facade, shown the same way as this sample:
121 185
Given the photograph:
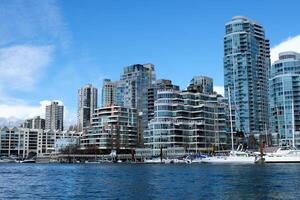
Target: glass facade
284 97
190 119
246 65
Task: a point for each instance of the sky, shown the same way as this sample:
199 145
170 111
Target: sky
49 49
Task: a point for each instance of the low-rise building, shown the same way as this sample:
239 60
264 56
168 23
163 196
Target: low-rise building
24 142
20 142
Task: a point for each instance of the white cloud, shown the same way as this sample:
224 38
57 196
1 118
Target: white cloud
219 89
290 44
30 31
34 21
22 65
17 110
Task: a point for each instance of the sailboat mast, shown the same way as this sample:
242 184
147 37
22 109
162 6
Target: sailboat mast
230 115
266 134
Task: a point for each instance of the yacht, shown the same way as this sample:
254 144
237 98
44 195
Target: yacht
28 161
7 160
191 159
154 160
236 156
282 155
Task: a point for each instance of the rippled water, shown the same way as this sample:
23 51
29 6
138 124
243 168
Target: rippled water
136 181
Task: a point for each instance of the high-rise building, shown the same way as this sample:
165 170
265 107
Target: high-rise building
135 82
87 103
246 65
203 84
34 123
284 97
152 93
54 116
108 93
190 120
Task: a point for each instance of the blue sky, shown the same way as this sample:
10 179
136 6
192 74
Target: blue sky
48 49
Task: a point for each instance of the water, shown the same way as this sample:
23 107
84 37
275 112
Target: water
136 181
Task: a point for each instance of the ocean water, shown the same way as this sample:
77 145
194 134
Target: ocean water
146 181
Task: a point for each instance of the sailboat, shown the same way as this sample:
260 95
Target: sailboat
236 156
284 154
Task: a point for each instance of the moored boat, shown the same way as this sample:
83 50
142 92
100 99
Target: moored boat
5 159
28 161
282 155
236 156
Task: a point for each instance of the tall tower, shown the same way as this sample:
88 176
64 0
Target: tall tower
108 93
246 65
284 93
135 82
55 116
87 102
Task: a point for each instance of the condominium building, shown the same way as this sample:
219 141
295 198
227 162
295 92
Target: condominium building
54 116
87 102
137 80
34 123
20 142
190 119
203 84
284 97
246 65
24 142
152 93
113 128
131 91
108 93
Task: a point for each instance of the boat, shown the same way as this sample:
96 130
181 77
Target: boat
154 160
178 161
28 161
5 159
192 159
235 156
284 154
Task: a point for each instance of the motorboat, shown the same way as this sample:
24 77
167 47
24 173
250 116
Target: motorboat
28 161
154 160
195 158
282 155
288 153
5 159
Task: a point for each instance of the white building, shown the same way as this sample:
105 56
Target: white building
20 142
24 142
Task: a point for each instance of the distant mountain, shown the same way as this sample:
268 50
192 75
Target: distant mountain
10 122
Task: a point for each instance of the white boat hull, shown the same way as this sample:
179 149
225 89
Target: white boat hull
282 159
229 160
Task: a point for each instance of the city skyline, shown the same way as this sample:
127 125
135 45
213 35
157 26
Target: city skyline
66 58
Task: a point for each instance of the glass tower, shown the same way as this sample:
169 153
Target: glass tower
284 97
246 65
87 102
